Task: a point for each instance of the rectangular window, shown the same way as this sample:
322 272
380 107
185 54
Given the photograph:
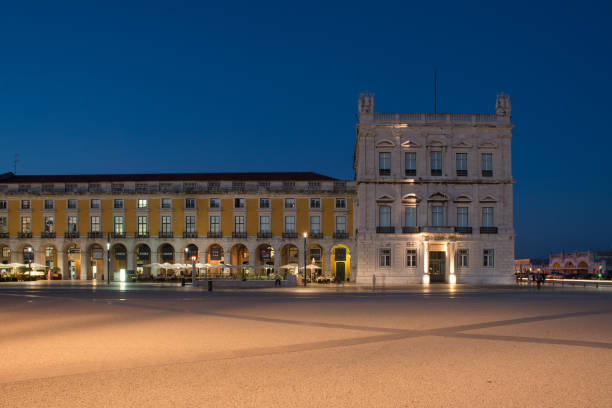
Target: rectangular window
410 161
340 223
118 203
264 203
437 216
72 204
462 217
340 203
25 204
239 224
73 225
117 188
215 203
264 224
487 217
166 203
190 203
411 257
289 223
49 223
3 224
436 163
190 223
118 227
26 225
289 202
315 224
384 216
3 205
384 163
487 164
461 159
141 187
238 202
214 224
315 203
385 257
95 203
94 224
411 217
94 188
70 188
143 203
463 258
48 204
488 258
48 188
166 224
143 225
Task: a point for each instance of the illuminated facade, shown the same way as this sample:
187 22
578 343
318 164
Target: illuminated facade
64 223
434 199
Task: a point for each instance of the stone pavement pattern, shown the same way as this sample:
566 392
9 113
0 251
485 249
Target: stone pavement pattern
471 347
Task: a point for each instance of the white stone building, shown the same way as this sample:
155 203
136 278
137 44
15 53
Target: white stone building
434 196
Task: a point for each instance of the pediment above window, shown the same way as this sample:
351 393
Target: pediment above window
487 144
385 199
488 199
436 143
410 199
410 144
385 143
438 197
463 199
462 145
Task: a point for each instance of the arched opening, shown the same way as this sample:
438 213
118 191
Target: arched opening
240 256
51 269
340 263
119 260
73 256
96 261
264 261
216 256
583 268
166 258
143 258
190 254
289 256
316 263
557 266
6 272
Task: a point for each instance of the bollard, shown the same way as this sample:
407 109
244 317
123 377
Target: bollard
210 286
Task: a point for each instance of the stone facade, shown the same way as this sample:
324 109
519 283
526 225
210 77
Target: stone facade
436 184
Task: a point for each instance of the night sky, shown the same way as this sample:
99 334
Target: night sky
185 87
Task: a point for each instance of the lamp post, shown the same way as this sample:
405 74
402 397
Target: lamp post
305 259
29 251
108 261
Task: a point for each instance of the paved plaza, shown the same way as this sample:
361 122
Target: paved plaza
145 345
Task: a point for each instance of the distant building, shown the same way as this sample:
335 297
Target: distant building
530 265
587 262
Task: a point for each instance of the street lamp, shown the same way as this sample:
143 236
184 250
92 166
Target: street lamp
305 258
29 251
108 261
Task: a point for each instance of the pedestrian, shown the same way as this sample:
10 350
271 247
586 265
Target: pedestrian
374 282
539 281
277 280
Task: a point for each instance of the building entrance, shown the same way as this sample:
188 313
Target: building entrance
340 275
437 260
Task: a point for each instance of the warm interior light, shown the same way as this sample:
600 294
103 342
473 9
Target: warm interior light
122 275
425 279
453 279
107 246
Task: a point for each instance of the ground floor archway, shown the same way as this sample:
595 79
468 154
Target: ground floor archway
340 263
73 264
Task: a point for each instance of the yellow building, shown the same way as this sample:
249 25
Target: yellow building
252 224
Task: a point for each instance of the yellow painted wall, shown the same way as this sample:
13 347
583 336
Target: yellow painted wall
107 216
227 219
327 216
60 217
130 216
202 217
178 217
301 223
83 217
37 222
251 217
154 217
13 217
277 216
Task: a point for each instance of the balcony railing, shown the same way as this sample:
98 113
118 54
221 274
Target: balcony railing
118 235
385 230
96 234
340 235
141 235
24 235
315 235
384 172
434 117
264 235
461 173
463 230
410 230
436 172
4 235
213 234
289 234
192 234
48 234
410 172
166 234
437 229
71 235
488 230
487 173
239 235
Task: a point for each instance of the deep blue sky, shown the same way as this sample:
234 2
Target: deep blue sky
185 87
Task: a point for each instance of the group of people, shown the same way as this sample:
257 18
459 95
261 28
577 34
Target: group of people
537 278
